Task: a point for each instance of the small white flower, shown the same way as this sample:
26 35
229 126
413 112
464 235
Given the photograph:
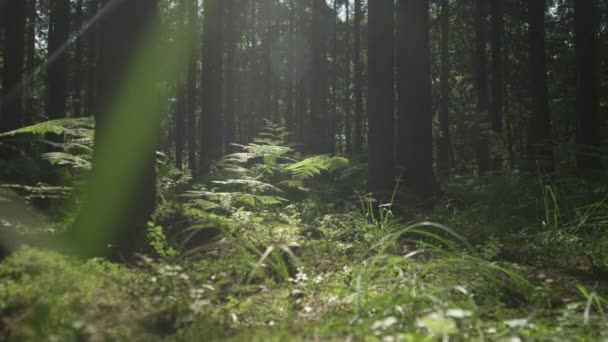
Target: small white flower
384 323
458 313
198 305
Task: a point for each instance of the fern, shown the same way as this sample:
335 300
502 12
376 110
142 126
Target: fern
74 127
231 200
66 159
255 186
261 173
313 166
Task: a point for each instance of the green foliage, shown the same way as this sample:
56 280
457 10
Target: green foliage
263 174
72 127
158 242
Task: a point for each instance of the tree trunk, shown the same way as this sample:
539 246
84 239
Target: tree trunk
443 142
334 78
211 85
347 89
31 59
496 110
381 97
291 70
179 109
92 56
358 64
303 77
415 130
57 70
230 104
266 66
191 105
11 109
123 29
539 138
481 87
319 135
78 62
588 133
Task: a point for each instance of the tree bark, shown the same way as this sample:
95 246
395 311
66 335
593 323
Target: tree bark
31 59
211 142
443 142
539 137
122 29
57 70
191 105
78 62
588 133
415 129
496 108
303 78
348 80
92 56
381 97
358 65
11 109
290 121
481 87
231 43
319 135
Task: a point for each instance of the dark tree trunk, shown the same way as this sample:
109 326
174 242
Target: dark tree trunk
31 59
443 142
179 133
266 66
319 134
347 89
303 77
92 56
211 86
496 110
588 133
415 131
57 70
481 87
122 29
334 78
191 105
358 65
290 122
78 62
251 121
539 137
230 105
11 108
381 97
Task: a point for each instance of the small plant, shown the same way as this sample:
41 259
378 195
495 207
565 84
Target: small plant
158 241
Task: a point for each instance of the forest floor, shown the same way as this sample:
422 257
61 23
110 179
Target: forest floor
315 271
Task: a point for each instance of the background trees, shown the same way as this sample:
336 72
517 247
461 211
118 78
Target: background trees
494 85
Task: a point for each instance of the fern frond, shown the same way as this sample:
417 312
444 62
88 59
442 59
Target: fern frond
75 127
313 166
66 159
249 184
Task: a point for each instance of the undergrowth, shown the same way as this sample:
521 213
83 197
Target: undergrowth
277 246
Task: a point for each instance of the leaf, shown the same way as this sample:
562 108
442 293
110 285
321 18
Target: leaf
70 127
312 166
66 159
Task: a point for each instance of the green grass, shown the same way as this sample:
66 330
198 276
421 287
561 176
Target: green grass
506 257
418 283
